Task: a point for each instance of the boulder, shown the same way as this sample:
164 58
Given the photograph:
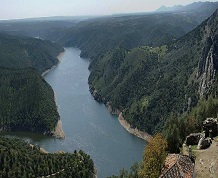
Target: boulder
205 143
210 126
193 138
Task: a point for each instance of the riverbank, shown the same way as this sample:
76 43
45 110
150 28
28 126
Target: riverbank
54 66
143 135
48 70
58 132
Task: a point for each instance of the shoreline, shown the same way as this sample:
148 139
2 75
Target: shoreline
140 134
49 70
143 135
58 131
54 66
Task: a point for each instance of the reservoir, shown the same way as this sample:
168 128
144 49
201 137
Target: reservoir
87 124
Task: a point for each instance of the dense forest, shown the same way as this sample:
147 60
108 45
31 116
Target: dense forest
27 101
97 36
24 52
20 159
149 83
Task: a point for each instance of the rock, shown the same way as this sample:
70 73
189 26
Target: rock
205 143
193 138
210 126
200 141
208 65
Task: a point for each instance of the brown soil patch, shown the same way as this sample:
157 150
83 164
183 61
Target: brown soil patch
207 162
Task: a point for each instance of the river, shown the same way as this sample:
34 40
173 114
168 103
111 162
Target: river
87 124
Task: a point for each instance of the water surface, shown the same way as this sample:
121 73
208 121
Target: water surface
87 124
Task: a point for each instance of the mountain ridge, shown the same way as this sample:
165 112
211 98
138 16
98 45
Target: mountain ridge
140 94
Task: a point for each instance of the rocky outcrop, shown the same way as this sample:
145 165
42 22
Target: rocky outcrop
204 143
210 127
193 138
208 64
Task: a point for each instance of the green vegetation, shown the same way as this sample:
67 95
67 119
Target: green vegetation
157 89
154 157
19 159
194 147
178 127
97 36
133 173
23 52
146 83
26 100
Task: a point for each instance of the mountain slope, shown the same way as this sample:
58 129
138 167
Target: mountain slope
147 84
23 52
97 36
27 101
194 7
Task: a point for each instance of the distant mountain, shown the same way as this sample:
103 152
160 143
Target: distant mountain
169 9
99 35
196 6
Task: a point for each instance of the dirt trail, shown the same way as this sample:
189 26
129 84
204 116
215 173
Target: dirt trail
207 161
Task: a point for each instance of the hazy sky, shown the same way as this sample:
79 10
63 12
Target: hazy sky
13 9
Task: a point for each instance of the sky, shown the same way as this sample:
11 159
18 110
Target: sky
18 9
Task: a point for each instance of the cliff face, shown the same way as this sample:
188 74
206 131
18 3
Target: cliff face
208 63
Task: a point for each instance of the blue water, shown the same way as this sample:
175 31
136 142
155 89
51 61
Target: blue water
87 124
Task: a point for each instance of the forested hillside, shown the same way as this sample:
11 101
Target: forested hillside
148 84
19 159
23 52
97 36
27 101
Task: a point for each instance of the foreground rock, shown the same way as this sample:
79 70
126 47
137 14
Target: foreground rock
204 144
193 138
210 127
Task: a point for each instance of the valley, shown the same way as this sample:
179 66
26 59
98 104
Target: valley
157 71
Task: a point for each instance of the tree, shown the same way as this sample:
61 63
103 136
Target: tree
154 157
